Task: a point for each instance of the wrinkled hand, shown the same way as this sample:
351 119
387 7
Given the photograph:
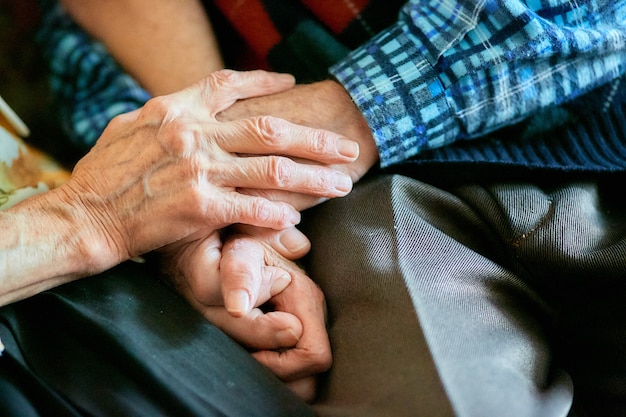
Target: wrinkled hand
325 105
291 339
171 171
195 266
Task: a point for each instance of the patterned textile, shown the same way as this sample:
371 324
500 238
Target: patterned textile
306 37
457 69
580 137
89 87
442 72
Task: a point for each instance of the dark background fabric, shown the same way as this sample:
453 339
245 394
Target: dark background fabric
491 299
124 344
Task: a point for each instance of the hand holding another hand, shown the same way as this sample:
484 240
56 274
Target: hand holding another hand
171 171
322 105
290 339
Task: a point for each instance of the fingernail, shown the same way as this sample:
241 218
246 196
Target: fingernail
237 301
279 284
343 182
347 148
287 337
293 240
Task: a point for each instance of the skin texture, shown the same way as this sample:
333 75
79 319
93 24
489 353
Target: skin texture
289 336
325 105
328 104
184 53
150 182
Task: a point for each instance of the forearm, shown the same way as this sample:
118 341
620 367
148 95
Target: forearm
166 45
43 245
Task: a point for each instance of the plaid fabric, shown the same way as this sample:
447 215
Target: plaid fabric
89 87
305 37
458 69
441 72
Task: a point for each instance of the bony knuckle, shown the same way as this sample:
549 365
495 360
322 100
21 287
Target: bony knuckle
319 141
280 170
261 210
195 203
223 78
159 106
179 138
117 122
325 180
272 130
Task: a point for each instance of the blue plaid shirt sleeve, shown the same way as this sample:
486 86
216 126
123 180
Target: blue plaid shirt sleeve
458 69
88 86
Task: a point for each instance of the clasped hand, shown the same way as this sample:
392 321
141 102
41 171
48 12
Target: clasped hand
170 172
251 267
168 177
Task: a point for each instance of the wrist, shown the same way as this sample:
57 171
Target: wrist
354 126
89 233
46 242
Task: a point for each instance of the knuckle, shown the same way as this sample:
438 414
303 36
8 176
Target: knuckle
223 78
319 141
117 122
195 205
178 137
325 180
175 133
272 131
280 170
261 210
158 106
320 359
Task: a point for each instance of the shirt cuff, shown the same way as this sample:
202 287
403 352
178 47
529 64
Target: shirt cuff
401 96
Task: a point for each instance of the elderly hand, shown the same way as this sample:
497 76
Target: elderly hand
165 173
197 267
171 171
291 338
324 105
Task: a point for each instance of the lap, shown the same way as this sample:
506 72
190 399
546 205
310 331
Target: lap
123 344
451 300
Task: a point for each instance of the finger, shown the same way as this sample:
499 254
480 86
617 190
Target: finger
304 388
233 207
312 353
201 269
241 266
272 135
290 243
256 330
300 202
222 88
281 173
201 207
246 280
295 363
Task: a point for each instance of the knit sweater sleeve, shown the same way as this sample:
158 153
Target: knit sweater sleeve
450 70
